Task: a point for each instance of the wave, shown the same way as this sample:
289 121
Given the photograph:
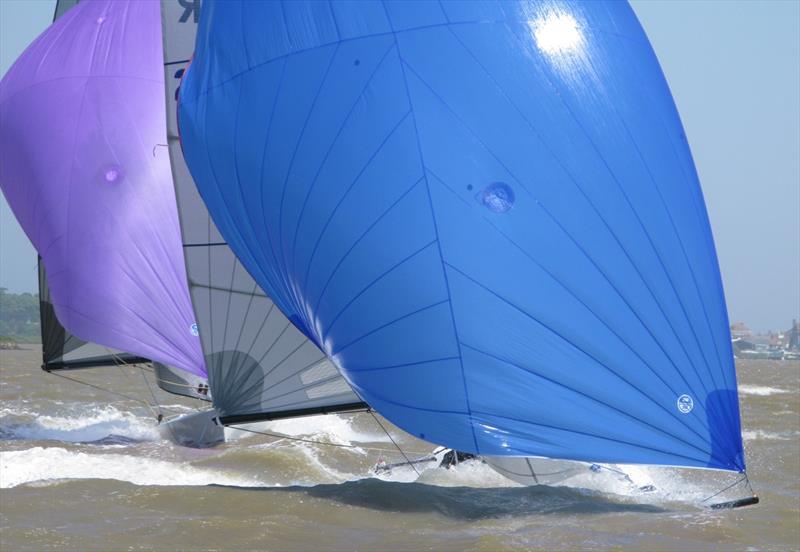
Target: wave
92 425
329 428
54 464
761 435
761 390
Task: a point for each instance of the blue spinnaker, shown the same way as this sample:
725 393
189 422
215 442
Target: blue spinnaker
486 213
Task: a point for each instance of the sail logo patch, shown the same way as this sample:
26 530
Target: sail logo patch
685 404
195 331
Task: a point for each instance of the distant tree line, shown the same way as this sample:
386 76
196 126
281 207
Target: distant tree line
19 317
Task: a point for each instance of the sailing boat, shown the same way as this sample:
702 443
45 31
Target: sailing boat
119 217
260 366
179 21
485 213
95 202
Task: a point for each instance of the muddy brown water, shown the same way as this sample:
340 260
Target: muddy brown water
84 470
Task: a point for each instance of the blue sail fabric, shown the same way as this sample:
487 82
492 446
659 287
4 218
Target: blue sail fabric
486 213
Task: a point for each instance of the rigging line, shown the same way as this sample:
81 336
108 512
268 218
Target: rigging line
102 389
743 478
749 486
377 421
159 415
313 442
118 362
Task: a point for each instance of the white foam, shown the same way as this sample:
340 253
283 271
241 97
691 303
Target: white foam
335 476
471 473
761 435
330 428
761 390
96 424
54 463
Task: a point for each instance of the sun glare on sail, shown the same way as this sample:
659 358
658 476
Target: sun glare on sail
557 33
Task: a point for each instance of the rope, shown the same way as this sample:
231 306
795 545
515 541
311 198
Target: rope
313 442
374 417
103 389
749 486
159 414
743 478
119 361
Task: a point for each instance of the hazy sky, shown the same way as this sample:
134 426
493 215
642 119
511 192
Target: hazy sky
734 70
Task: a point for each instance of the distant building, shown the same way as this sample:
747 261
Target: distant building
740 330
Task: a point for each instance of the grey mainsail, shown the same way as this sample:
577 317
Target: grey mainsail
260 365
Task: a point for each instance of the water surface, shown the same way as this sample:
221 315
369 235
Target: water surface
81 469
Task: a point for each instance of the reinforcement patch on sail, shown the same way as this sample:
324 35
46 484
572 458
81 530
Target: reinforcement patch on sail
82 112
258 361
486 213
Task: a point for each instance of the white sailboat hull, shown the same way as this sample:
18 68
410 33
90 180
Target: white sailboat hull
199 430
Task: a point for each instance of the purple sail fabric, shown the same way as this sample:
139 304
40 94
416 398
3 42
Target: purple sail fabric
85 168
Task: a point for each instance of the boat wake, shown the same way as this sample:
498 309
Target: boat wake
762 435
141 458
98 424
339 430
761 390
54 464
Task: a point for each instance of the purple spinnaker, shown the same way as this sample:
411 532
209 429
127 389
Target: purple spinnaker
85 168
